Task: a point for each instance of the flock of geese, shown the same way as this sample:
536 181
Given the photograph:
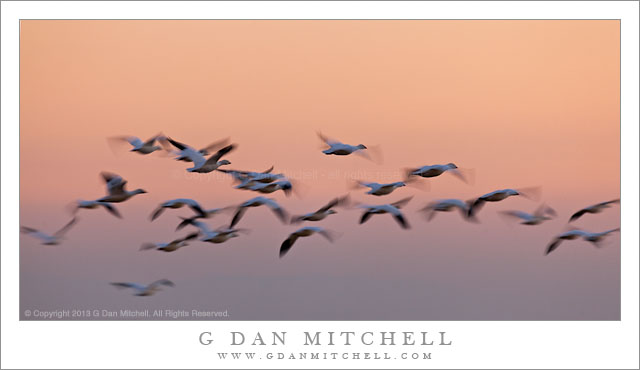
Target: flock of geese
209 159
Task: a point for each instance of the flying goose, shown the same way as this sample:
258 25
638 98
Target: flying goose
245 176
138 145
256 202
92 204
323 212
182 154
436 170
596 208
178 203
381 189
392 209
116 189
539 216
494 196
171 246
594 238
338 148
217 236
267 188
447 205
208 213
303 232
142 290
200 163
47 239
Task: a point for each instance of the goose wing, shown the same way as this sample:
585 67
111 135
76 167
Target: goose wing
65 228
236 218
399 217
111 209
165 282
553 246
335 202
287 244
129 285
215 145
365 216
216 157
577 215
275 207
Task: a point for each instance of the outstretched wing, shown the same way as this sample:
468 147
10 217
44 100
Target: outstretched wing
215 145
111 209
577 215
216 157
287 244
177 144
65 228
237 216
553 246
365 216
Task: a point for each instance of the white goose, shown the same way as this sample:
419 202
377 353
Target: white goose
182 154
93 204
146 147
436 170
171 246
594 238
596 208
392 209
338 148
200 163
447 205
116 189
246 176
494 196
47 239
145 290
256 202
381 189
178 203
323 212
217 236
543 213
267 188
303 232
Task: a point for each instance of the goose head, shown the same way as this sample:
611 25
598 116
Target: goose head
452 166
139 191
361 146
223 162
331 212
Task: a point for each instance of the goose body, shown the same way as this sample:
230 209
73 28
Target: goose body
201 164
139 146
217 236
116 189
145 290
543 213
303 232
257 202
436 170
392 209
596 208
171 246
494 196
594 238
267 188
447 205
338 148
183 150
47 239
381 189
323 212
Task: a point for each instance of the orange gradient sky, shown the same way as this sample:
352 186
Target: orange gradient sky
522 103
